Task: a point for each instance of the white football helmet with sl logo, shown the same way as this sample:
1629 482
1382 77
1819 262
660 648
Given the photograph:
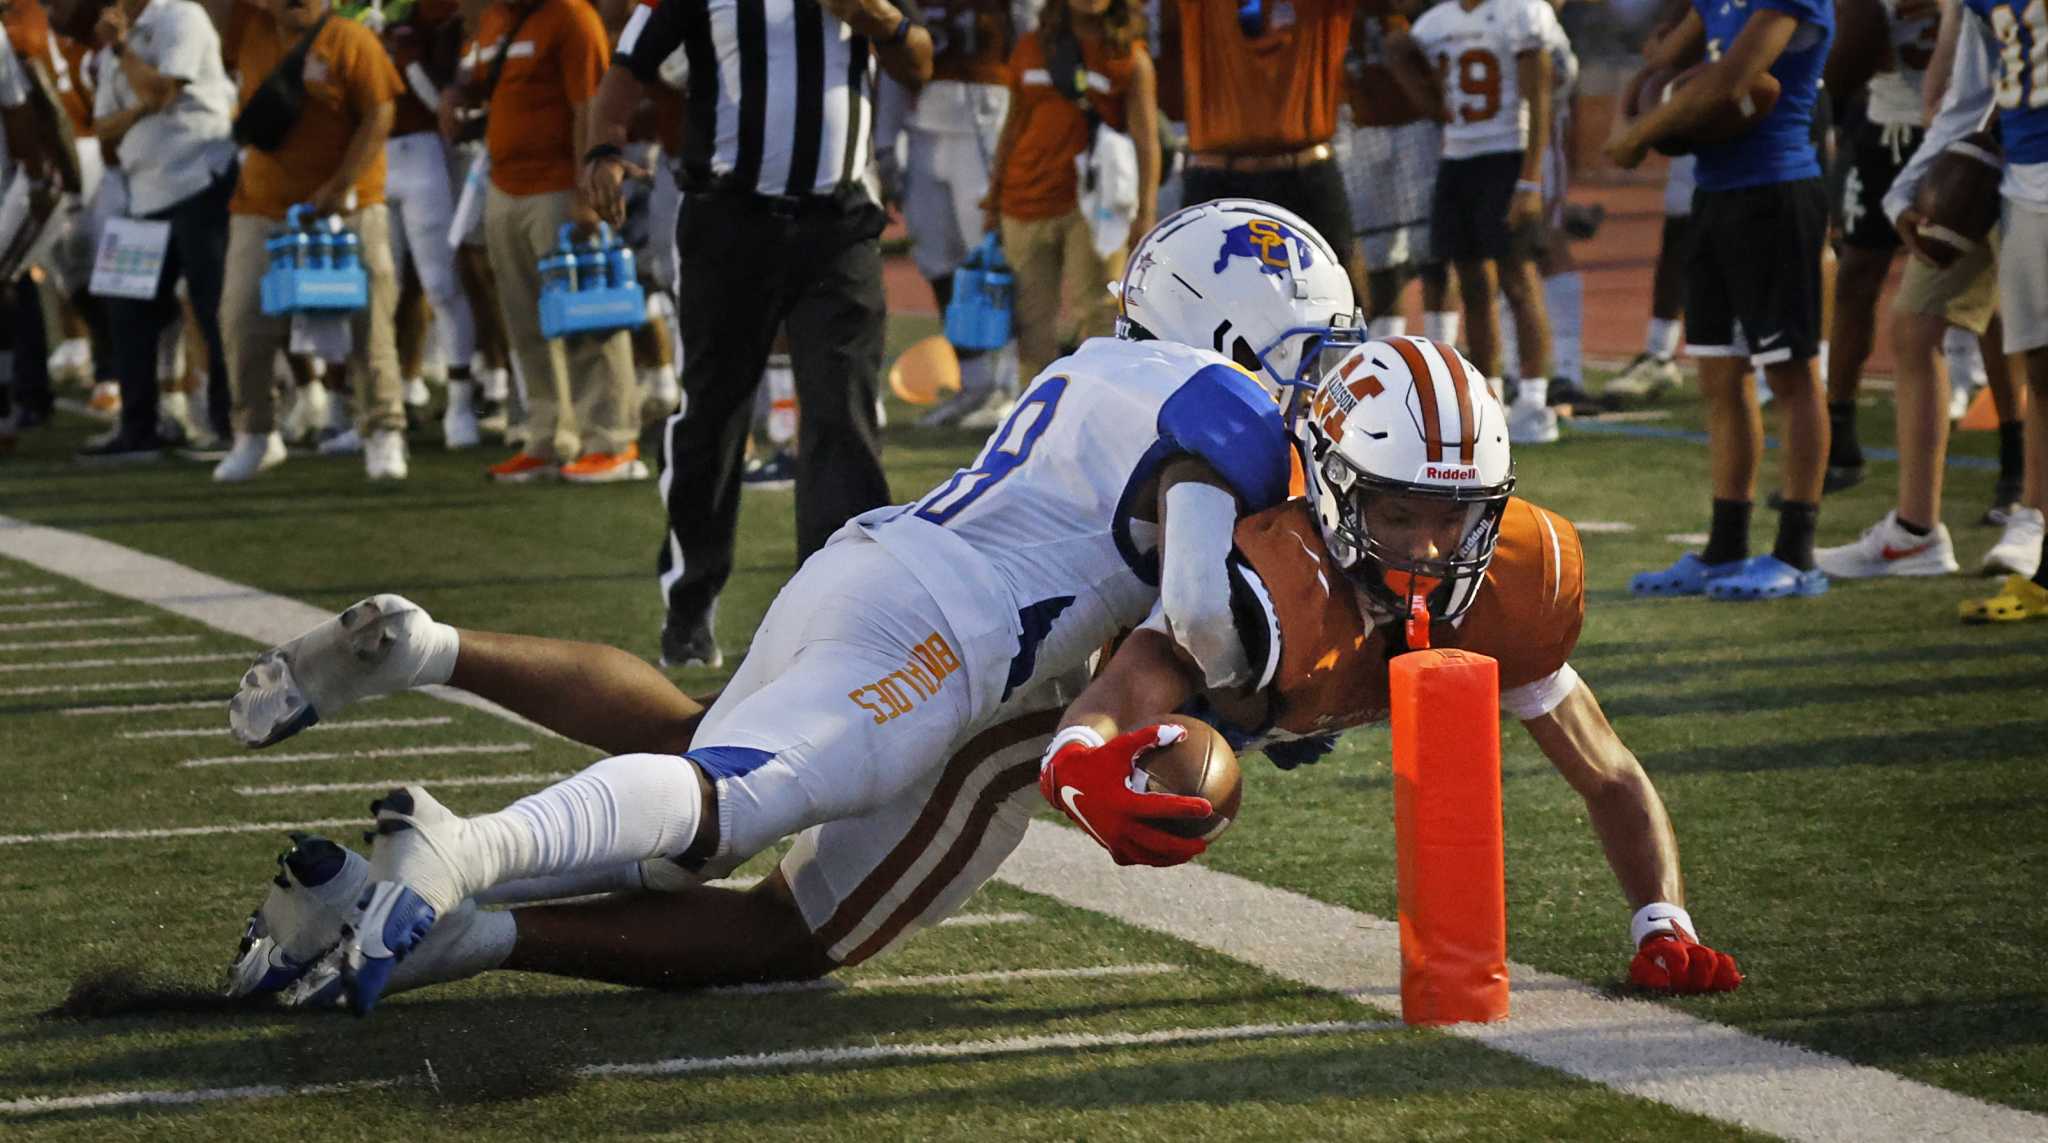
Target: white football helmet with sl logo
1248 279
1402 424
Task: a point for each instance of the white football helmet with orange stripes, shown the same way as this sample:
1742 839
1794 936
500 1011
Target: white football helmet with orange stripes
1245 278
1408 468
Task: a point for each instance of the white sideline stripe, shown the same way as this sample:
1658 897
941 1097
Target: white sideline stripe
83 688
344 724
802 1057
55 605
1603 527
145 707
113 641
1638 1047
1010 1046
226 606
40 589
256 759
1636 416
436 783
975 920
1689 539
140 661
175 831
942 979
47 624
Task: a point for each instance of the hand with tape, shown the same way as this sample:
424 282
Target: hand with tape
1090 781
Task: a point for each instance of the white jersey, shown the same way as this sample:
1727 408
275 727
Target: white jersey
1045 509
1895 94
1475 54
1564 63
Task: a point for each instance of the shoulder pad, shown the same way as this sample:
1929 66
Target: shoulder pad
1224 417
1530 610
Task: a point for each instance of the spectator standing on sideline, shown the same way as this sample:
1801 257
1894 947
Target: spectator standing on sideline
332 161
1085 69
167 109
1754 286
547 57
1263 79
779 228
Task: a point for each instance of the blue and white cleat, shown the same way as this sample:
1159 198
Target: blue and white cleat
303 917
381 645
394 920
414 878
1768 577
1689 576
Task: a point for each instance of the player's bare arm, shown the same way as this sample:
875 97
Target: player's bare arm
1416 79
1532 74
902 47
1621 802
604 121
1762 40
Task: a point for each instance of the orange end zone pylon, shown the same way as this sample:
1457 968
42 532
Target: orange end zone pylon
1448 837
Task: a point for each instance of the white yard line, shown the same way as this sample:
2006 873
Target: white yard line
62 836
1642 1048
975 920
342 724
112 641
219 704
266 758
947 979
535 780
1604 527
86 688
106 1099
136 661
1689 539
41 589
54 605
52 624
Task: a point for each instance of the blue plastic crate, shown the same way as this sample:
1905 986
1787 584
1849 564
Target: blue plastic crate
978 318
297 289
602 310
589 287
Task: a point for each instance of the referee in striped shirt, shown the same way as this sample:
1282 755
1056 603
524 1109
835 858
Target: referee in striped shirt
778 230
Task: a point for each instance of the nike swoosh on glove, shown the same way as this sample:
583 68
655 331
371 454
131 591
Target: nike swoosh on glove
1674 962
1092 786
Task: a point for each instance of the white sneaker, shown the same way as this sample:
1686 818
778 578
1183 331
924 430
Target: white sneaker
309 413
419 872
417 394
384 455
252 453
71 364
312 896
661 391
1959 397
380 646
1887 549
497 383
347 442
2018 551
459 429
989 415
1531 424
1647 376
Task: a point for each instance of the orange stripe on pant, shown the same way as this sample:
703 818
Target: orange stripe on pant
1448 838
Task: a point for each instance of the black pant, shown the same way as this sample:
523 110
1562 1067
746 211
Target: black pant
197 251
750 266
1315 192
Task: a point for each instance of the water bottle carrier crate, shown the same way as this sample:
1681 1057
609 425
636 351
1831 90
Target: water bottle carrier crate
589 288
315 267
978 318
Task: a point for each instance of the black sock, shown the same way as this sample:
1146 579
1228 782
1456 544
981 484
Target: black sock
2041 573
1844 450
1795 534
2012 455
1728 537
1913 529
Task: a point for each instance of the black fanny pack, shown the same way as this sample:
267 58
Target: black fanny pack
275 105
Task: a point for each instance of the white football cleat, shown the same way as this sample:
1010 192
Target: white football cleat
458 422
311 899
347 442
309 413
253 453
417 874
382 645
384 455
1531 423
2018 551
1885 548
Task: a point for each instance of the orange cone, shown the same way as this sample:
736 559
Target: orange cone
1983 413
926 372
1448 837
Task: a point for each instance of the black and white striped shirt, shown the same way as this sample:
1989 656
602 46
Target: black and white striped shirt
781 94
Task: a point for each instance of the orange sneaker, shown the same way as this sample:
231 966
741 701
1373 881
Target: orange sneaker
606 467
524 467
105 401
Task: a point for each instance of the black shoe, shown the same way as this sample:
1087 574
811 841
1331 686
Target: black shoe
1582 220
776 474
119 446
690 646
1841 477
1581 403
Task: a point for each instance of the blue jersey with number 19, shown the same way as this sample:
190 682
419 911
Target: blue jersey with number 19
2019 32
1052 509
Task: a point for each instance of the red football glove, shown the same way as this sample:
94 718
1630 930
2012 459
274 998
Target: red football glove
1091 784
1674 962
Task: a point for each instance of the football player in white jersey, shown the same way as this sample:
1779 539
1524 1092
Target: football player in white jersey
1494 86
896 698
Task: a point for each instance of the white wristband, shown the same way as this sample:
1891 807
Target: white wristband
1660 917
1528 185
1072 734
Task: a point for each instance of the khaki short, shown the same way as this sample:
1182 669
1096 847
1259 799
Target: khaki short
1965 294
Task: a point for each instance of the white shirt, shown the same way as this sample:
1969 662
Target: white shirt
1895 94
1966 107
1475 53
177 152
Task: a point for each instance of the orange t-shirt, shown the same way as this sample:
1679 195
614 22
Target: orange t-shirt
1266 95
1038 176
348 76
553 66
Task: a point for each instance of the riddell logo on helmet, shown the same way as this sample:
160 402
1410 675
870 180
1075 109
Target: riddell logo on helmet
1450 472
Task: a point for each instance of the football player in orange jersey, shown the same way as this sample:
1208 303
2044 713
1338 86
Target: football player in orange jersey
1409 484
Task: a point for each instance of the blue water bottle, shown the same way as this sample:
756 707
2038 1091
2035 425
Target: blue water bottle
320 246
347 250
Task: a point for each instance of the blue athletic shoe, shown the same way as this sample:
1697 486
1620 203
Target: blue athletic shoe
1689 576
1767 577
394 920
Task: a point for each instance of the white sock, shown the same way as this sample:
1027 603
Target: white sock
622 878
1388 325
440 646
1965 357
461 395
1533 391
463 944
781 382
1822 355
1564 297
618 810
1662 343
1441 325
1510 344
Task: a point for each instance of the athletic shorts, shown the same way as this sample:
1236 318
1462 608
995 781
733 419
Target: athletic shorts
1469 212
1964 294
945 177
1872 156
2023 276
1753 281
1679 185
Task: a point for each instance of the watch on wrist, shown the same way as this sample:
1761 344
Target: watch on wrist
603 151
